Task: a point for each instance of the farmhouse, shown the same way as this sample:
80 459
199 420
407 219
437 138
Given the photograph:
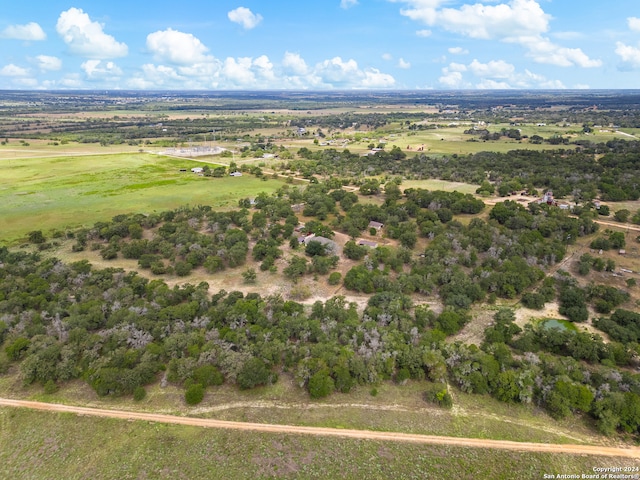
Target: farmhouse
235 174
329 244
377 225
367 243
197 169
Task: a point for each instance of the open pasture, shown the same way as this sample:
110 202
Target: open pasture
54 193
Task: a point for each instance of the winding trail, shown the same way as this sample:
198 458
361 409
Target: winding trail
628 452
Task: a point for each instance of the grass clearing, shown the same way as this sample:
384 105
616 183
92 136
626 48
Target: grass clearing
48 445
434 184
48 193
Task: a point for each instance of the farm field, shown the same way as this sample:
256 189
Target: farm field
68 192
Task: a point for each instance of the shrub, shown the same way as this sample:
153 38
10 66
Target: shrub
182 269
207 375
194 394
335 278
321 385
50 387
437 393
15 350
139 393
402 376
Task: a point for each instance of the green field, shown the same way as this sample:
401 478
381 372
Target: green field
38 445
54 193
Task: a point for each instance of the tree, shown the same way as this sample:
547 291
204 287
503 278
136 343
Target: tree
315 248
297 268
253 373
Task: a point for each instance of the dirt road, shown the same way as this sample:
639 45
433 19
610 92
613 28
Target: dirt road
629 452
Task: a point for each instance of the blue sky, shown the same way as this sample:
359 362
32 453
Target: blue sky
327 44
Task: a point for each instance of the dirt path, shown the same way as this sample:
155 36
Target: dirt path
629 452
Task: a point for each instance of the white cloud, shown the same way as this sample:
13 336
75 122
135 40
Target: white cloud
387 57
634 23
402 63
521 22
250 73
489 84
451 79
29 32
493 69
47 63
458 51
177 47
629 55
294 64
71 80
238 72
97 69
496 74
423 33
348 3
337 71
245 17
86 38
12 70
373 78
542 50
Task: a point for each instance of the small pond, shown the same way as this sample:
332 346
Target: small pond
560 324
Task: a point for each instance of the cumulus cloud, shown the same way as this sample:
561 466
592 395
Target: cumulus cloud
629 55
495 74
177 47
634 23
523 22
185 64
348 3
12 70
245 17
374 78
294 64
86 37
30 32
494 69
48 63
402 63
458 51
97 69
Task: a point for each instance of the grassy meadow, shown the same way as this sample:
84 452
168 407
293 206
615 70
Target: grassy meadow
71 191
38 445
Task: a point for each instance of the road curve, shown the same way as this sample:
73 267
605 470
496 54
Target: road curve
629 452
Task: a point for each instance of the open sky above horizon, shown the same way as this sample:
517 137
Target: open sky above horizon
333 44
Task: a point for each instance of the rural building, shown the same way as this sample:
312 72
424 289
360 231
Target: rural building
197 170
367 243
235 174
330 245
377 225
